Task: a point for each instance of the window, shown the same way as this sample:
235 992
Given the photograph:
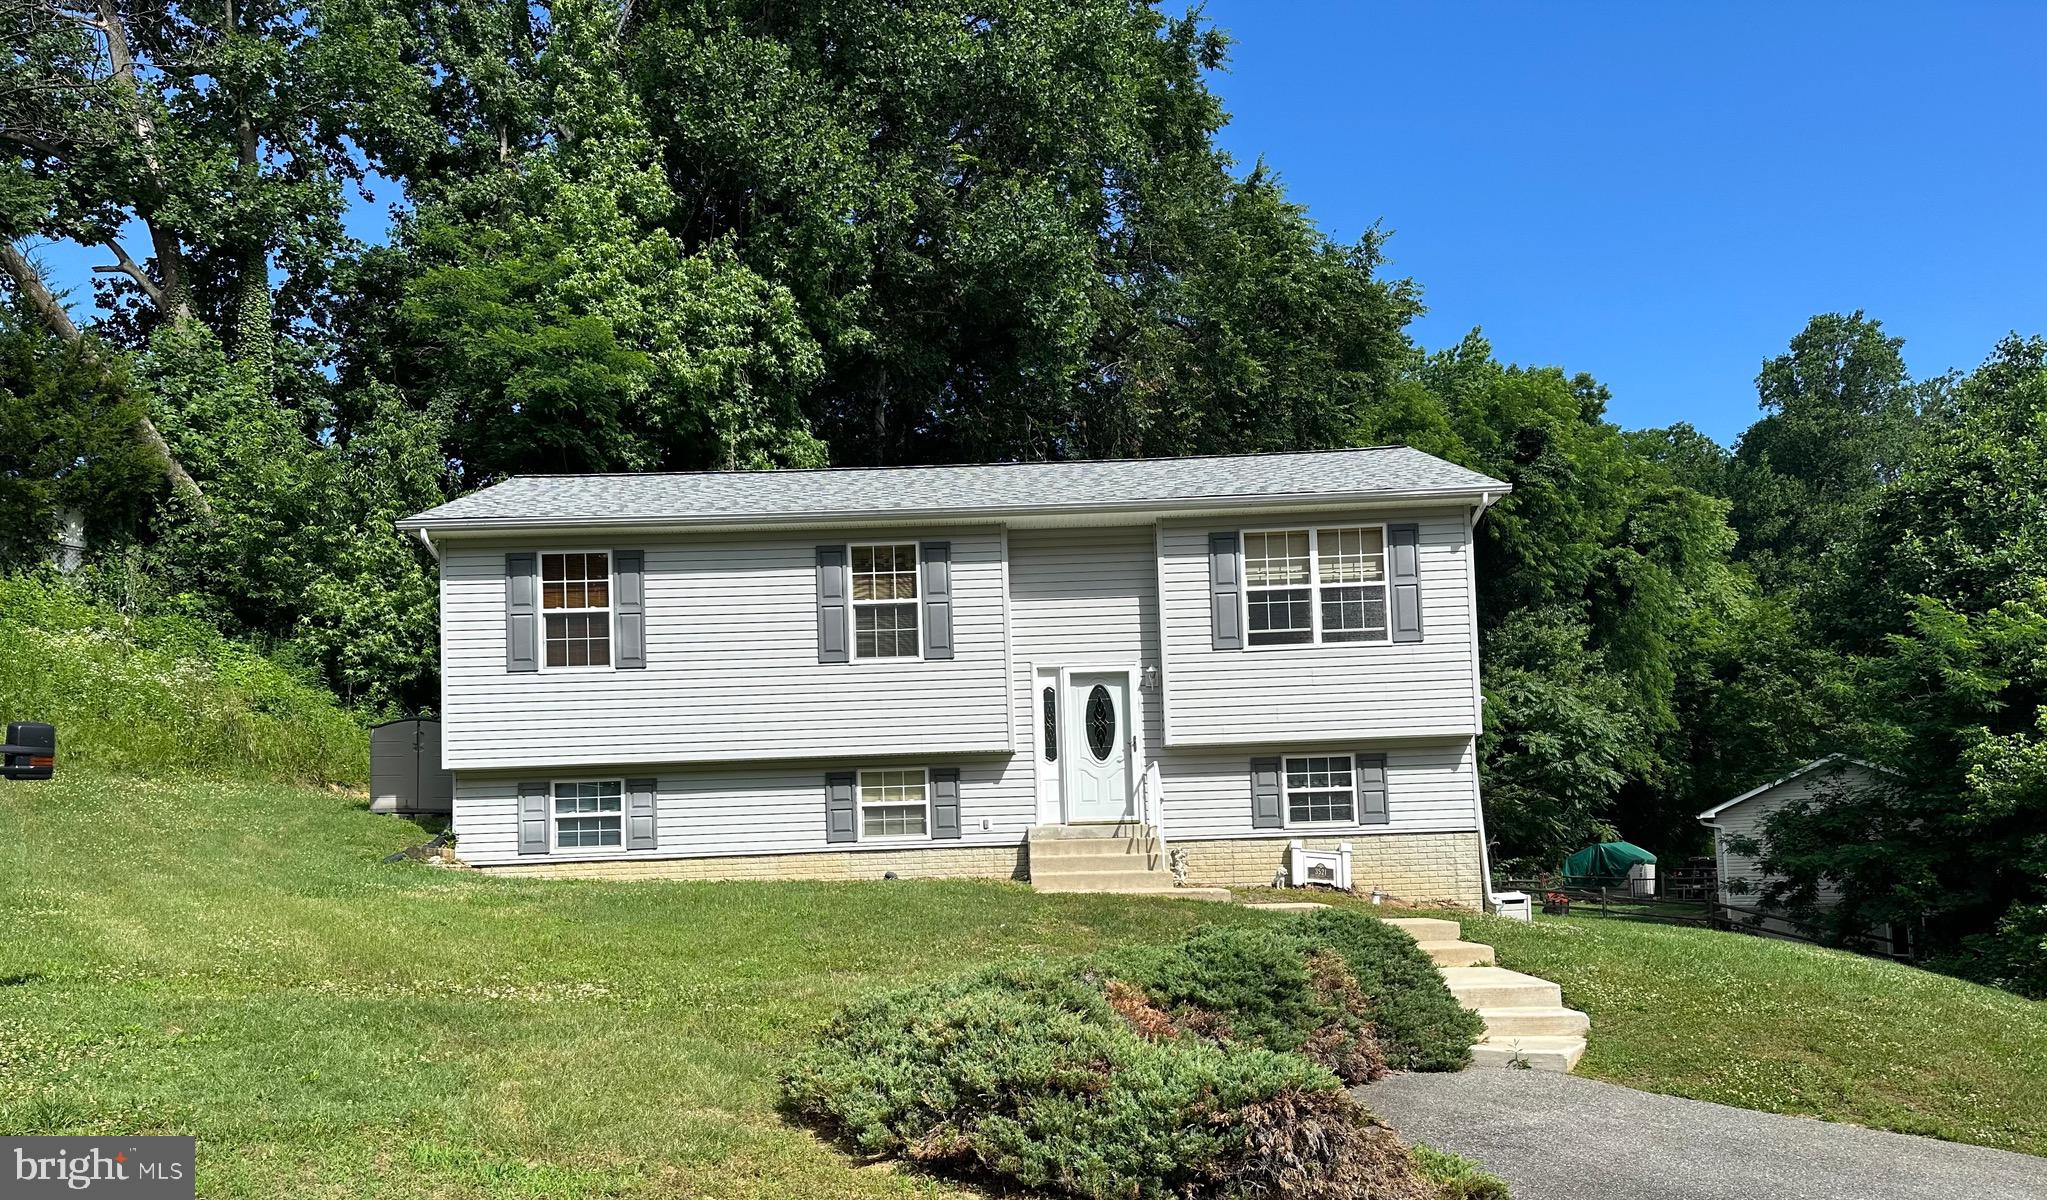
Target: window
1352 572
885 601
1051 726
575 598
1321 790
893 804
1277 570
1315 585
589 815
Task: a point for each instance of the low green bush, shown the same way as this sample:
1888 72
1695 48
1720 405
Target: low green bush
1420 1025
1458 1178
1259 987
165 695
1212 1067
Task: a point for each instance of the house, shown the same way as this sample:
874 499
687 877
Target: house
937 671
1739 825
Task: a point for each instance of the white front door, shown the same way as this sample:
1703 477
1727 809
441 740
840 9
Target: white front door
1097 746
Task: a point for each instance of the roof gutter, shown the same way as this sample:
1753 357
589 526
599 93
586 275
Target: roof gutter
1192 506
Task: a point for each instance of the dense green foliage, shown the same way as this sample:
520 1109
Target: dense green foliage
1196 1069
680 234
166 695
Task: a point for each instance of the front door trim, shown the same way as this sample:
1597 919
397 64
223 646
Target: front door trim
1052 806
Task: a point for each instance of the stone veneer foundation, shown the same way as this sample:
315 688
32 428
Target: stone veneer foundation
950 862
1420 868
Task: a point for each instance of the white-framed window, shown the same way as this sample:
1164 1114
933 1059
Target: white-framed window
589 814
895 804
1321 584
1320 789
575 608
884 600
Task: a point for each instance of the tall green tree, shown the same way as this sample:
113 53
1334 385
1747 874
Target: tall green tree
1951 603
1839 412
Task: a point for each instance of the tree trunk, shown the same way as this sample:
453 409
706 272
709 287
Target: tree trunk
29 283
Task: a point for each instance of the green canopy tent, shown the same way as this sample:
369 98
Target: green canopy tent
1605 865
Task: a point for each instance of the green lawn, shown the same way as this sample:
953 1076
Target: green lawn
1790 1028
235 961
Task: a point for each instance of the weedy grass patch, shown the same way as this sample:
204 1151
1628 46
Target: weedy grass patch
165 695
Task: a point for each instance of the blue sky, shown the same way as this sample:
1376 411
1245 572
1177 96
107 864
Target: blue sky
1661 194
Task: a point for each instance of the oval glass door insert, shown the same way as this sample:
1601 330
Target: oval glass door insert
1101 723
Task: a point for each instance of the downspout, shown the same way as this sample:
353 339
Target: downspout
1487 902
426 540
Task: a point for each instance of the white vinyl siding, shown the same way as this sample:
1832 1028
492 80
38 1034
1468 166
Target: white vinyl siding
705 810
732 671
713 809
1081 596
1362 690
1430 788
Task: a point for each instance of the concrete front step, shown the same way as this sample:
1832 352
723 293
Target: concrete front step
1099 879
1526 1023
1458 954
1427 929
1062 850
1534 1053
1534 1022
1497 987
1064 833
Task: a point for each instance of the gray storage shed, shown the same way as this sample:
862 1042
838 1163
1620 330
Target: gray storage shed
405 768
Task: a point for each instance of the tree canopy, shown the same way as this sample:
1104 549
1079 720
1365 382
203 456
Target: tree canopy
683 234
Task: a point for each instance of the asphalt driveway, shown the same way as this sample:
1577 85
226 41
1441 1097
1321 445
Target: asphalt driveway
1560 1137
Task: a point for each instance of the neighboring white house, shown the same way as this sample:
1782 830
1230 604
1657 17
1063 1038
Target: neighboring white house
1742 819
842 673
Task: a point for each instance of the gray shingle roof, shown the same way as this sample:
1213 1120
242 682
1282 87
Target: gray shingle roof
721 497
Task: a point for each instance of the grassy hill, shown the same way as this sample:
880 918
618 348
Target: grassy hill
234 960
165 695
1791 1028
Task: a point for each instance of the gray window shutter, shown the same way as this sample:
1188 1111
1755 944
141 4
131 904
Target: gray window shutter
832 610
1403 544
1225 591
935 561
839 809
1371 778
533 802
945 802
1265 812
522 612
640 807
629 609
